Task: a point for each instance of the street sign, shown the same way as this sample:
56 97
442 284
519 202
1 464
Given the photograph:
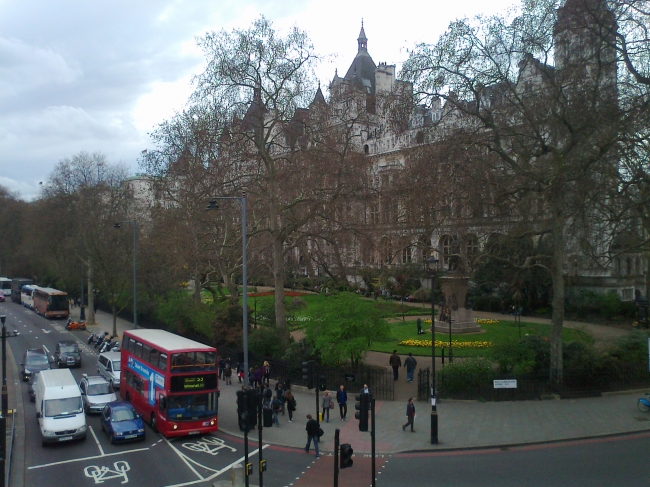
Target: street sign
505 384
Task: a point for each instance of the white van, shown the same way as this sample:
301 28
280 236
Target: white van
59 408
108 366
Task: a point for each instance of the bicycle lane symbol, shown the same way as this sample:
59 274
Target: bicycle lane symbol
101 474
208 444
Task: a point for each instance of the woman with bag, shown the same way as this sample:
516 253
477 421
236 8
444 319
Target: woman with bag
326 404
291 404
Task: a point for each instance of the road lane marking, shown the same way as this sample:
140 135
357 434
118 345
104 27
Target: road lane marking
216 472
74 460
45 348
101 450
100 474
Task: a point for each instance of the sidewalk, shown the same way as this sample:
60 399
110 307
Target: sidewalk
462 424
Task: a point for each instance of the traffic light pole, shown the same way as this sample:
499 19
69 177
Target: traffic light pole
259 429
246 428
372 440
336 457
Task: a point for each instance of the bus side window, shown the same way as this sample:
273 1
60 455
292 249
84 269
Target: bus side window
153 358
131 347
146 350
138 349
162 362
162 403
125 343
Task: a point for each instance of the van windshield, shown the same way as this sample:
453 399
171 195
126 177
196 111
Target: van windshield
117 365
62 407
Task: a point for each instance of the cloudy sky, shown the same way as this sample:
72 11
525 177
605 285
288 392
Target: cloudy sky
100 75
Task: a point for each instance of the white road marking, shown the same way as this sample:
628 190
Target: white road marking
74 460
46 331
45 348
101 450
100 474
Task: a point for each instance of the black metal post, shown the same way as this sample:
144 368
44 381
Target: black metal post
434 411
82 312
259 429
316 386
450 347
336 457
5 403
372 440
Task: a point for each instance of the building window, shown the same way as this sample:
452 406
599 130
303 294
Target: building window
407 256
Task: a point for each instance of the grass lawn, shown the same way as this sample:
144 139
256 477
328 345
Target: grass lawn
496 333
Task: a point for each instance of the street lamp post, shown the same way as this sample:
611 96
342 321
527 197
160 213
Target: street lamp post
5 405
118 225
432 267
214 206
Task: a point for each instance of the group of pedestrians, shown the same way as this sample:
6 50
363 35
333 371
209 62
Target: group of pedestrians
396 362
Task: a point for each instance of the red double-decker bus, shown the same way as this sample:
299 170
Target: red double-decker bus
171 381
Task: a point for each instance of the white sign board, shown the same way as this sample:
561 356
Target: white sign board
505 384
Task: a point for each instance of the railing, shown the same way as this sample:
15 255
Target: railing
379 379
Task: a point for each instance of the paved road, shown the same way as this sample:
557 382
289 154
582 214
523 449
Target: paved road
154 462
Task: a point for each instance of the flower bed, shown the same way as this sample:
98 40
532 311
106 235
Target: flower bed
441 344
486 321
290 294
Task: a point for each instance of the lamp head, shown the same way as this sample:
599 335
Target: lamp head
212 205
3 318
432 264
117 225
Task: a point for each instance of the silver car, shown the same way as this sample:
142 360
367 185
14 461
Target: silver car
108 366
96 392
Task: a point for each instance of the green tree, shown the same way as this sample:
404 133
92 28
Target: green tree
346 330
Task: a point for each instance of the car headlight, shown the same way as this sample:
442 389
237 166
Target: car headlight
118 433
141 430
83 428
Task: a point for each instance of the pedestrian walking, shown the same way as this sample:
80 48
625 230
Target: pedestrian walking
266 372
279 393
419 323
410 363
227 373
410 415
222 365
326 404
240 372
365 389
259 376
342 399
395 362
276 406
291 404
312 428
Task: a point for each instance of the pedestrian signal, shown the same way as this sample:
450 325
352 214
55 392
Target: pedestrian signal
362 405
346 456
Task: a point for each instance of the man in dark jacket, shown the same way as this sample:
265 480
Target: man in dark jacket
410 415
395 362
410 363
342 399
312 433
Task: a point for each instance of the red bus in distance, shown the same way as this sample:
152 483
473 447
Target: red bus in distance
171 381
51 303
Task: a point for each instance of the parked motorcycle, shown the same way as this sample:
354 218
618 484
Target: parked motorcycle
644 403
101 339
75 325
91 338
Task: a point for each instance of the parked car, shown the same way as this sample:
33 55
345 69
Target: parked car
34 360
122 423
67 354
31 389
96 392
108 366
2 298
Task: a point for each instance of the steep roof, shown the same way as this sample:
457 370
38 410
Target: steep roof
361 73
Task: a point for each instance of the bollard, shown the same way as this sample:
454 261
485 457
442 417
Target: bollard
238 476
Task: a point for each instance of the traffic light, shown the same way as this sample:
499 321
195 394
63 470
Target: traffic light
322 383
308 373
247 409
346 456
362 405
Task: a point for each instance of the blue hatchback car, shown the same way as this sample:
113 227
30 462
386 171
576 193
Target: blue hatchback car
122 423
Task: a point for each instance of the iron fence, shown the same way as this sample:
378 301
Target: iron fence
379 379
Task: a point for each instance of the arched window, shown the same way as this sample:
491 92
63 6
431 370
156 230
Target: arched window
445 247
472 248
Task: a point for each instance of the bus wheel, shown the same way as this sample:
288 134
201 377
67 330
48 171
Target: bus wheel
153 422
128 397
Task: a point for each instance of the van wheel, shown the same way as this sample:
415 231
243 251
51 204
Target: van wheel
153 422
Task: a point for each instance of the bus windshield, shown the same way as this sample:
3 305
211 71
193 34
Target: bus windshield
193 362
62 407
191 406
57 303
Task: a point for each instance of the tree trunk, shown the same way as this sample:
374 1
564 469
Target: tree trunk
114 312
91 295
278 281
557 318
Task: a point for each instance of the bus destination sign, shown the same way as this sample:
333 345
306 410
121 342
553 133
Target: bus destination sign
196 382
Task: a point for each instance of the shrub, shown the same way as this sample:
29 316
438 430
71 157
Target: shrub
465 376
264 341
531 354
